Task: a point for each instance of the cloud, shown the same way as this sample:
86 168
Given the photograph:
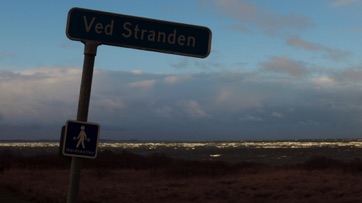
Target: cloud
191 63
252 119
340 3
137 72
218 105
164 111
350 76
297 42
172 79
111 103
6 55
324 81
25 93
193 109
248 15
145 84
331 53
181 64
286 66
277 115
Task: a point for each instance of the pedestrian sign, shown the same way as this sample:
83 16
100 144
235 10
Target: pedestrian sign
81 139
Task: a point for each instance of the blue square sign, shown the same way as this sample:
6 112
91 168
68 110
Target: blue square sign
81 139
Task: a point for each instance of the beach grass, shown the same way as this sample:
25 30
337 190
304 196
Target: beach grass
130 177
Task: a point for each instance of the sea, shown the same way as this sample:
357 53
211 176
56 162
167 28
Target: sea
265 151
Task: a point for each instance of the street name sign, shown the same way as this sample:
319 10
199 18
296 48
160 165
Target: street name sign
139 33
81 139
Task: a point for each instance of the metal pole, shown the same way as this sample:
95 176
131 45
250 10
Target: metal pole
90 51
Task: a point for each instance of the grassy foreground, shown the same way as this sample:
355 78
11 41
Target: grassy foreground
128 177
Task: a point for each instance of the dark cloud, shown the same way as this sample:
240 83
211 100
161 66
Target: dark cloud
202 106
205 106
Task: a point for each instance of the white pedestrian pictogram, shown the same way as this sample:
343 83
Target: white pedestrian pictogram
81 137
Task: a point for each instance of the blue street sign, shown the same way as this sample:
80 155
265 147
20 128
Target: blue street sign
140 33
81 139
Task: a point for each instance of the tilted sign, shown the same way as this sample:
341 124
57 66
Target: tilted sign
139 33
81 139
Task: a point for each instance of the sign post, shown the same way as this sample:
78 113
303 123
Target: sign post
94 28
90 51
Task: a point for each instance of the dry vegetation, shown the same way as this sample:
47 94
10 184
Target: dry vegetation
128 177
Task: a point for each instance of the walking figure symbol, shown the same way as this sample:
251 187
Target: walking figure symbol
82 137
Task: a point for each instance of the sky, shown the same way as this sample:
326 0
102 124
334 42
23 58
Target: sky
281 69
